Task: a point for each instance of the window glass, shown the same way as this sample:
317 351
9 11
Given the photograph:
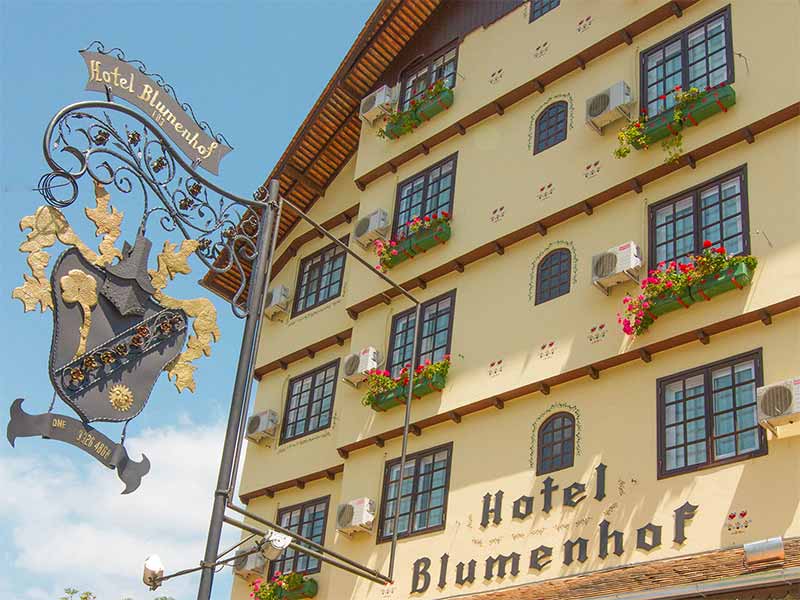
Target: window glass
309 520
309 404
434 333
556 443
553 275
551 126
320 278
425 194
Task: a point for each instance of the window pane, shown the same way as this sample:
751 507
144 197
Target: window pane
310 402
551 126
308 520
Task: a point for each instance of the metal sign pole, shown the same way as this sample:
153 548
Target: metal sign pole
244 371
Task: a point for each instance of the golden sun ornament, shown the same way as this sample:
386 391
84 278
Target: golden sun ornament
121 397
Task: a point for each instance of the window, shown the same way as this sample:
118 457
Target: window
556 443
415 80
423 501
309 404
434 335
552 275
714 211
424 194
319 279
551 126
540 7
707 416
309 520
699 56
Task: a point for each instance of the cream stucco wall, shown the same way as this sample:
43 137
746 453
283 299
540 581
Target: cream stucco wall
495 319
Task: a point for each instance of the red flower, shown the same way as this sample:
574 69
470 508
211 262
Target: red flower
677 88
427 218
707 244
644 111
445 214
638 126
720 250
662 97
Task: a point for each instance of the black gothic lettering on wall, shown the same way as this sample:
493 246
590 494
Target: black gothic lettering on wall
600 485
569 550
547 491
421 578
461 579
489 510
501 560
654 532
605 536
523 507
541 557
443 570
682 515
572 492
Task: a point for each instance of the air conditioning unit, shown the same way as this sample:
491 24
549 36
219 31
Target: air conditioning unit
356 366
263 426
608 106
274 544
377 104
618 264
779 404
276 302
249 565
356 515
372 227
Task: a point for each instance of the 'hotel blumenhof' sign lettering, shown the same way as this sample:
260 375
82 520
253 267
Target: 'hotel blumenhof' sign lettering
126 81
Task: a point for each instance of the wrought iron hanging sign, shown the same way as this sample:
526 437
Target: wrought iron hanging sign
115 330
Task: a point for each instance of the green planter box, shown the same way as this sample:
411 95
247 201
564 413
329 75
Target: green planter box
719 283
658 128
308 590
421 241
668 302
396 396
434 106
715 101
395 130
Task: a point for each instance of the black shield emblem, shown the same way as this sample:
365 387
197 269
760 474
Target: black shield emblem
111 339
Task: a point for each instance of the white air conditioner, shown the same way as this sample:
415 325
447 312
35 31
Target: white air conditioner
263 426
377 104
356 515
356 366
372 227
618 264
779 404
608 106
249 565
274 545
276 302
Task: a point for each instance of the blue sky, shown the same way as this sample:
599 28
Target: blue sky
253 70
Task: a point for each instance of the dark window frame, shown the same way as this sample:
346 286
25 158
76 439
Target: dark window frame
540 443
536 13
304 261
683 35
302 506
312 373
539 299
427 62
695 191
425 173
381 538
557 105
662 473
411 311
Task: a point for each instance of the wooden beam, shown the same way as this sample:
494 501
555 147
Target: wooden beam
269 493
343 453
415 429
645 355
593 372
352 314
459 267
626 37
581 62
539 86
766 318
748 135
339 340
306 181
301 484
498 108
283 364
310 353
676 10
461 129
544 388
455 417
361 187
386 299
587 208
540 227
379 441
422 283
425 149
498 403
392 167
330 474
691 161
636 186
703 337
499 249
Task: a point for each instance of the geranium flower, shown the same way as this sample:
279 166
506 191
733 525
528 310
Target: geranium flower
707 244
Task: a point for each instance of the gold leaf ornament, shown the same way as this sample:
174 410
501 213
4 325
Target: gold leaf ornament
78 286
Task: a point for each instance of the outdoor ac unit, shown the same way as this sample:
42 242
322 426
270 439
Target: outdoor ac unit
247 565
779 404
276 302
377 104
356 515
356 366
608 106
368 229
615 266
262 426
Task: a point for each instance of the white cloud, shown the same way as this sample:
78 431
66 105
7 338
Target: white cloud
70 526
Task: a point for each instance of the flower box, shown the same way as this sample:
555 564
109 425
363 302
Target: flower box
736 277
400 128
397 396
307 590
420 241
715 101
432 107
658 128
667 302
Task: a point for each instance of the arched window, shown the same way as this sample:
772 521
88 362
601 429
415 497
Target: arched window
556 443
552 275
551 126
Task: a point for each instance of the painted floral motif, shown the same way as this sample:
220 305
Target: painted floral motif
597 333
497 214
495 368
547 350
545 192
496 76
541 49
584 24
591 169
737 522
